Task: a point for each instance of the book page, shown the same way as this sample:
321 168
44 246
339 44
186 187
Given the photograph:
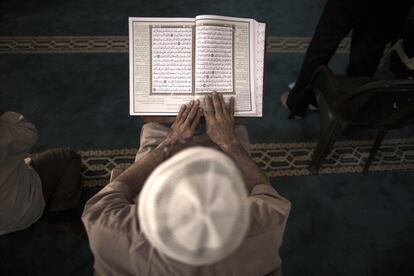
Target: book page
259 57
172 60
161 64
223 38
214 59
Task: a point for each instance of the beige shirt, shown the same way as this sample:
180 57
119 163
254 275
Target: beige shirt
21 198
120 248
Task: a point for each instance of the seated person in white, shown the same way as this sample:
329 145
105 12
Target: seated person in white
29 187
200 212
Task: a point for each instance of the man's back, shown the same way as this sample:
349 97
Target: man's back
120 248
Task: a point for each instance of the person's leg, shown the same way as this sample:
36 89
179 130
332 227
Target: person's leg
334 24
152 134
367 47
60 172
371 35
243 137
408 43
241 134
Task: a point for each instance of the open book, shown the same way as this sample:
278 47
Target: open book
175 60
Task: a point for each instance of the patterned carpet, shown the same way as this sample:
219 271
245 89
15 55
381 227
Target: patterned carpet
278 159
64 65
119 44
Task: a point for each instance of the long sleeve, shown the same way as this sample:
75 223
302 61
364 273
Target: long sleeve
17 134
111 221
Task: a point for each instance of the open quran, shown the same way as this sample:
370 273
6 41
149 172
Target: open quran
175 60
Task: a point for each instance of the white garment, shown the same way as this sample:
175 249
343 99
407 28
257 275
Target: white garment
21 198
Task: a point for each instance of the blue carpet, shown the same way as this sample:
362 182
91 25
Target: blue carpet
341 223
96 17
349 225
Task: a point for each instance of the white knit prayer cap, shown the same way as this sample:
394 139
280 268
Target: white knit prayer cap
194 207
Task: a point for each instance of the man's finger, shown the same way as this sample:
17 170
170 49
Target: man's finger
208 106
217 104
208 110
196 119
231 106
180 113
186 111
223 103
193 112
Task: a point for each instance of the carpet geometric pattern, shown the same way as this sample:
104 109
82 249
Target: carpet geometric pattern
278 159
119 44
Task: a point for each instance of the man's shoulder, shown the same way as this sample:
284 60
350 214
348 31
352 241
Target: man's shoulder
268 208
266 193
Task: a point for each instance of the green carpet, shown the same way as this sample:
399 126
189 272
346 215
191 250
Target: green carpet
64 64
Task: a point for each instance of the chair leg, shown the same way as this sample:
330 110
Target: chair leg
378 140
330 132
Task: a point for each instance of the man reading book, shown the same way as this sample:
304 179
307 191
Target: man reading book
185 209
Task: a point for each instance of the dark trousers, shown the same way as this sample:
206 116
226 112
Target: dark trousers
60 173
372 28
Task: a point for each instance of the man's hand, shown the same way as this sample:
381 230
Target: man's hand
186 122
220 120
177 139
